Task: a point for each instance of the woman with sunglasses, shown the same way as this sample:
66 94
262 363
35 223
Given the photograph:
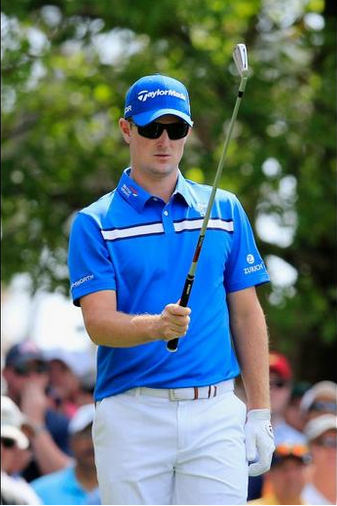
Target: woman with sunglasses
15 453
168 426
322 437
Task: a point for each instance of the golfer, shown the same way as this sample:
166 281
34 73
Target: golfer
168 427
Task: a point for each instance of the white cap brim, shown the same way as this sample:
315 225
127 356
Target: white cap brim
10 432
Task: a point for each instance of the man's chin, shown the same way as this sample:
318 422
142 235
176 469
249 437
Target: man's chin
163 169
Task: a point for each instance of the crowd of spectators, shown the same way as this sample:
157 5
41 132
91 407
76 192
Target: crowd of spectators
47 411
303 469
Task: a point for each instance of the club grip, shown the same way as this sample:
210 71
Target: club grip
172 345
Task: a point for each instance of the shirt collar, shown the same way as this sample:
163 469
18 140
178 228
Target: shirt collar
134 194
183 190
137 197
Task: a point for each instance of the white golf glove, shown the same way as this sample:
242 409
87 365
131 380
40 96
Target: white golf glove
259 441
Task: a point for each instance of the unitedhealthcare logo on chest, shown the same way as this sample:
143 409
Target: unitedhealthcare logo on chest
128 191
145 94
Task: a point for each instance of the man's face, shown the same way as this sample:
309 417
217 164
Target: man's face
280 391
7 454
62 379
288 479
83 448
323 450
17 376
155 157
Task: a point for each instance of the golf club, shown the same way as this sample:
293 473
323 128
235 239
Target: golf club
241 62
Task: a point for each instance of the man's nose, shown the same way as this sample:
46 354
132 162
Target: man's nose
164 138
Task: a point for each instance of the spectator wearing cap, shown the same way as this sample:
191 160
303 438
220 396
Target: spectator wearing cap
77 483
320 399
26 375
293 413
14 455
286 475
280 392
321 433
87 387
66 370
280 380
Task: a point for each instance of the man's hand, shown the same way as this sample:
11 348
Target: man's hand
34 401
173 322
259 441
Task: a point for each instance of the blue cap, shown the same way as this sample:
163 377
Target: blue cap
153 96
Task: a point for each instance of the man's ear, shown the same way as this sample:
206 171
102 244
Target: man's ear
125 128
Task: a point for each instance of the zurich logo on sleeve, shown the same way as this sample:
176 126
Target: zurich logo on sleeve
250 258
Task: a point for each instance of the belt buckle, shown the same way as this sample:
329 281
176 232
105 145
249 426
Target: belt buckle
192 393
181 394
172 394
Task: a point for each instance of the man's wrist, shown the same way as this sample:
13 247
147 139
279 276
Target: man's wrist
259 414
38 428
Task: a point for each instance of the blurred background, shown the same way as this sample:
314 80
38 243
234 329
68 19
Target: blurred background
66 66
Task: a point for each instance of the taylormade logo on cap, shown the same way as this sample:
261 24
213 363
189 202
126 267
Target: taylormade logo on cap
145 94
153 96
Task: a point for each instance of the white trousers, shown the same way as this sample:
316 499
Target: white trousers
154 450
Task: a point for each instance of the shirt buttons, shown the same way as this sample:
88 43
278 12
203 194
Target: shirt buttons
165 213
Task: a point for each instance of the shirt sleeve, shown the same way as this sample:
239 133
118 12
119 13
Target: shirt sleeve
244 266
91 268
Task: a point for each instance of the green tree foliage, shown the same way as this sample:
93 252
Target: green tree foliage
66 68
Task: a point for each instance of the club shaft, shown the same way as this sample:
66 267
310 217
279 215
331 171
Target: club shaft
172 345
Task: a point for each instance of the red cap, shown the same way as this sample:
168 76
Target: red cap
279 363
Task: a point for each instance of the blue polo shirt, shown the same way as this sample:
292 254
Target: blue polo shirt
141 247
62 487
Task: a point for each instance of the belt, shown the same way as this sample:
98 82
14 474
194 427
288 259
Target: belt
185 394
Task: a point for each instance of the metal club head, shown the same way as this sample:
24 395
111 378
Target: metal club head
241 59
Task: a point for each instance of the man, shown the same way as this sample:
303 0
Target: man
66 369
74 484
322 436
319 400
286 476
293 415
280 393
168 427
14 456
26 376
280 382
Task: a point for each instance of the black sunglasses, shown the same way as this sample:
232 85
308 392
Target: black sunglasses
323 406
154 130
326 442
26 369
7 442
278 383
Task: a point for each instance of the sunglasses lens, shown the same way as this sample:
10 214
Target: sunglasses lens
327 442
25 369
7 442
278 383
289 450
154 130
21 370
323 406
151 131
177 130
41 368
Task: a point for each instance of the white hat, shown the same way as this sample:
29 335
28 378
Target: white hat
317 426
11 421
83 417
326 389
